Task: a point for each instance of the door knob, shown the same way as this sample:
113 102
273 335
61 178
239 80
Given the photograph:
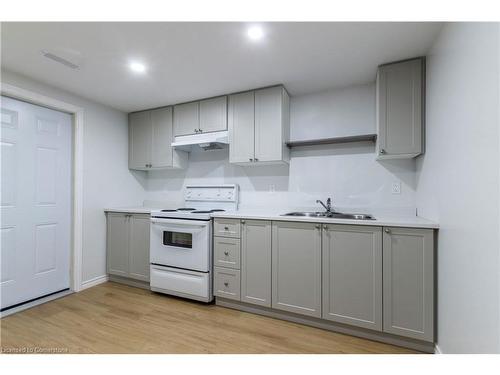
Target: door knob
382 151
387 230
242 221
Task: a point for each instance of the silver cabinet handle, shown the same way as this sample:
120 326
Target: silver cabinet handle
250 159
226 253
226 228
387 230
200 130
196 130
382 151
242 221
325 227
255 159
226 283
317 226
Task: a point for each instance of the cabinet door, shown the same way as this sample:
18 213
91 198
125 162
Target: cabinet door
409 282
186 118
161 137
213 114
139 247
352 275
241 127
269 124
296 267
256 262
139 143
399 107
117 244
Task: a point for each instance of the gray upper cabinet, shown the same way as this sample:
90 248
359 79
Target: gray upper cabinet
140 139
127 241
241 115
352 275
271 124
150 139
408 264
259 126
400 91
256 262
213 114
186 118
139 247
296 267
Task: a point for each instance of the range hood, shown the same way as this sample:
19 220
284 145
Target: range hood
206 141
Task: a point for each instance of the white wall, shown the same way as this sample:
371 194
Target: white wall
347 172
106 178
458 184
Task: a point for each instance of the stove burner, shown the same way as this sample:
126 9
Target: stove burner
217 210
185 209
168 210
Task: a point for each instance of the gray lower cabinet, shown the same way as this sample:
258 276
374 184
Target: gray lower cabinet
139 247
227 283
409 282
256 262
128 245
296 267
352 275
117 240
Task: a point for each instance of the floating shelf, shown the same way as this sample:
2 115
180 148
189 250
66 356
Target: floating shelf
328 141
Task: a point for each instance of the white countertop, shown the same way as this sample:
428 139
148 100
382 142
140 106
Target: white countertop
380 220
132 210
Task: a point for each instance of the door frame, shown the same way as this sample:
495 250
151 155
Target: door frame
77 172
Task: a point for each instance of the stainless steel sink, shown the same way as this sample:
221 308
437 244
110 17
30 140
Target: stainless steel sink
332 215
308 214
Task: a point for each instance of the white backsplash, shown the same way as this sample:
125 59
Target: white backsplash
348 173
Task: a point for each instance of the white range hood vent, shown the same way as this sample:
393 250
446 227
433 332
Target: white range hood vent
206 141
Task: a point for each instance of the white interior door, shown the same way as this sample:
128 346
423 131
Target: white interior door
36 171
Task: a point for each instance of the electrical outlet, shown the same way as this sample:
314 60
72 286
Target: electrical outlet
396 187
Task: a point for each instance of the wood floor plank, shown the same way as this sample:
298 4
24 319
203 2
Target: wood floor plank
115 318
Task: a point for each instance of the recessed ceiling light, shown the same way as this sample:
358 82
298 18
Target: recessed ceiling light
255 33
137 67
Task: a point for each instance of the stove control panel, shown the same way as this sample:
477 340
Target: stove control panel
211 193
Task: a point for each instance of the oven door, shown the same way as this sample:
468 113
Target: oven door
180 243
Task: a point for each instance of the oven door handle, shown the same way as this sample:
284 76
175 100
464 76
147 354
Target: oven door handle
180 223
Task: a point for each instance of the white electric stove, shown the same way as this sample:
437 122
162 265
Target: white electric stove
181 242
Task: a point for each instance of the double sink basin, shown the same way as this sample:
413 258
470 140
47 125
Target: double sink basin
331 215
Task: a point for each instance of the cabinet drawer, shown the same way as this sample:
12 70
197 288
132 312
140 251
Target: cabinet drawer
227 283
227 228
227 252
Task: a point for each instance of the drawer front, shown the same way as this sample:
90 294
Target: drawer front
227 283
227 252
227 228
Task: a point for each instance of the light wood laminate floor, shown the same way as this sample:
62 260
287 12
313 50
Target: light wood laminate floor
114 318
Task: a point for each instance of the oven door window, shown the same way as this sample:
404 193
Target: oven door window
178 239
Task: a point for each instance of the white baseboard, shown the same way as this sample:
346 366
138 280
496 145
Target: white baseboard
93 282
29 305
437 349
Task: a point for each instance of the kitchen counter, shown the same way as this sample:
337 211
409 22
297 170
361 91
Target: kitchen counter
132 210
380 220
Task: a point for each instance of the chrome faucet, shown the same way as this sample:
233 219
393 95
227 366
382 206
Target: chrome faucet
327 206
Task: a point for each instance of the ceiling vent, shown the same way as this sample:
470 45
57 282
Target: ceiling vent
61 60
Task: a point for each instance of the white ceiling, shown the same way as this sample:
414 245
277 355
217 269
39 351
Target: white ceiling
188 61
